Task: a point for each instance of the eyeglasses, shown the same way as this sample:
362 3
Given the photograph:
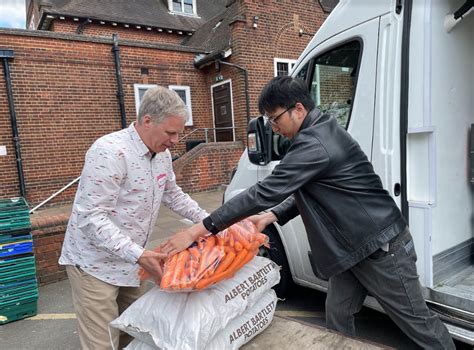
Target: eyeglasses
274 120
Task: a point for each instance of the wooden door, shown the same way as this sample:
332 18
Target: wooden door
221 96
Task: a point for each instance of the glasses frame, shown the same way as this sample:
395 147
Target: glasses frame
274 120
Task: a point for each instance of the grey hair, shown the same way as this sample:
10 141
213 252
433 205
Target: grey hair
160 103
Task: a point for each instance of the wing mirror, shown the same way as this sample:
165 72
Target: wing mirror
259 141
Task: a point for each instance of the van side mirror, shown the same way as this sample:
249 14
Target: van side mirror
259 141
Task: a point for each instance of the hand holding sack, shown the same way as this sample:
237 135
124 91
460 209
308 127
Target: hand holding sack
212 259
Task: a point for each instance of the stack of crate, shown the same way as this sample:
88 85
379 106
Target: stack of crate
18 284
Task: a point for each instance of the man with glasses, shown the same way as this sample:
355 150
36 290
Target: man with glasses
359 240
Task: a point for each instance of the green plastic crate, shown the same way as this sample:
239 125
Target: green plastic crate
18 309
10 277
16 264
13 204
21 291
7 225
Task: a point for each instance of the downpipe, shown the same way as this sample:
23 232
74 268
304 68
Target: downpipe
118 75
5 55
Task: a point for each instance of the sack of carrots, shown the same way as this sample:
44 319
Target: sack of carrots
212 259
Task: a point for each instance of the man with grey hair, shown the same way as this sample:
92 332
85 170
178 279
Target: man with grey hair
126 176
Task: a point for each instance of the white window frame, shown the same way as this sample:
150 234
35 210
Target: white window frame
136 89
187 91
170 8
291 64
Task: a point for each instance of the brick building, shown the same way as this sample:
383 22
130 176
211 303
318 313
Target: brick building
63 91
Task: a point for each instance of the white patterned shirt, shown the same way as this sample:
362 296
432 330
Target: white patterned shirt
120 191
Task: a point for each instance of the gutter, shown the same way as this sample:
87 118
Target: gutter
5 55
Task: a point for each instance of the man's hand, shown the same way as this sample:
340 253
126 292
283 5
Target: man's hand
183 239
152 263
263 220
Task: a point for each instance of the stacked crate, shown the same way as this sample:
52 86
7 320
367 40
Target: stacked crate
18 285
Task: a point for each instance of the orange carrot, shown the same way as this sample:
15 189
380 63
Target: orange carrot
225 263
241 239
205 282
168 271
237 260
178 273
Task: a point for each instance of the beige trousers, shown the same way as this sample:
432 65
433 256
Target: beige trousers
96 304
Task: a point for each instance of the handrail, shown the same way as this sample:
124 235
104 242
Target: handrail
54 195
206 132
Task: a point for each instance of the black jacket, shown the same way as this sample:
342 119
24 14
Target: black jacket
346 212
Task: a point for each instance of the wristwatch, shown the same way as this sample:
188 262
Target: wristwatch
209 225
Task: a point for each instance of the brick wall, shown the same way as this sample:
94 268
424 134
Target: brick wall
205 167
64 88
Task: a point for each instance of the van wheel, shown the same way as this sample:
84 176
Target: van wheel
276 253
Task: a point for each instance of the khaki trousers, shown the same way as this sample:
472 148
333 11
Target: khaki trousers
96 304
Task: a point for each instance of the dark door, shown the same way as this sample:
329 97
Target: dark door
223 112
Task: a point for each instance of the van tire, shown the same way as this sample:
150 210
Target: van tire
277 254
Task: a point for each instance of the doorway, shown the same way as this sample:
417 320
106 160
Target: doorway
223 111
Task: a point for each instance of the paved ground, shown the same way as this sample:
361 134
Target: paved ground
55 325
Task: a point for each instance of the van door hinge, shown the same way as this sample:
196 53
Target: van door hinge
399 6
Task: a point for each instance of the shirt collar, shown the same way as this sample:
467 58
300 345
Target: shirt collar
137 140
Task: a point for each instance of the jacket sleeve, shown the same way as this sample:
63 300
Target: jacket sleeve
306 160
286 210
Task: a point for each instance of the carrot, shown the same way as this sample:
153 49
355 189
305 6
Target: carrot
210 242
178 273
205 282
246 259
241 239
194 251
169 271
238 246
238 259
225 263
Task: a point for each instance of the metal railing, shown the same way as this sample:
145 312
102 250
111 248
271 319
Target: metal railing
206 132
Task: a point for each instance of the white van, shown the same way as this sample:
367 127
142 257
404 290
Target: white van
399 75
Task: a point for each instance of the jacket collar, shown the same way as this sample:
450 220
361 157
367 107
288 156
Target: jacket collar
311 118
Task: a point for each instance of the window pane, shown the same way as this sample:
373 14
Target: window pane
188 6
282 69
141 92
334 80
177 6
182 94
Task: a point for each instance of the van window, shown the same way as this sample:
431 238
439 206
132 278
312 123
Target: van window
334 80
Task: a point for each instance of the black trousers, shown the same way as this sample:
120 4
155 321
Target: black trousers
392 279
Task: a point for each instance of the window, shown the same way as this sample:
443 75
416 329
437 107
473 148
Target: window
183 91
183 6
140 90
283 66
334 80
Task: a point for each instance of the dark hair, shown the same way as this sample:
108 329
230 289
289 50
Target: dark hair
284 92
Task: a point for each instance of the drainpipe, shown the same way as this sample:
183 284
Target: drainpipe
5 55
118 75
246 85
